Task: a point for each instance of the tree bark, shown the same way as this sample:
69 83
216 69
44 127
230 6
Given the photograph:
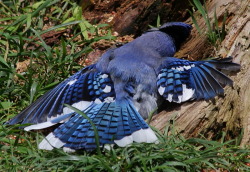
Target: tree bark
230 114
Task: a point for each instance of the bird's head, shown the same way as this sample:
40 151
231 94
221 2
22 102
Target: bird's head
177 30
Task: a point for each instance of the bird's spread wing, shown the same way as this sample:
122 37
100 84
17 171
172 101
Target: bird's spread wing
182 80
79 90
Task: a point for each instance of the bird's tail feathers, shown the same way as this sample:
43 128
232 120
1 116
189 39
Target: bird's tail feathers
117 123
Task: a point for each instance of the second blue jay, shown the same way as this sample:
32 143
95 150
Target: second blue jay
122 88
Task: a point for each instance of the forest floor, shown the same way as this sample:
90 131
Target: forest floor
44 42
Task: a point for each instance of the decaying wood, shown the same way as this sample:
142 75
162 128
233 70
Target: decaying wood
134 16
230 114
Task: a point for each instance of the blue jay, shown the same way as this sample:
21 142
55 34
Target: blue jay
122 88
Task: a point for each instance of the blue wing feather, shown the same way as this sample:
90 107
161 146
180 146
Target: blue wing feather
193 80
86 85
203 84
213 82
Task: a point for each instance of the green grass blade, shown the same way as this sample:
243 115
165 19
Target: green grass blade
60 26
200 8
28 22
33 91
195 22
158 22
203 12
47 48
3 62
44 5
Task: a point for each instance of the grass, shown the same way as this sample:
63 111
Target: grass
215 34
23 39
158 22
23 26
172 153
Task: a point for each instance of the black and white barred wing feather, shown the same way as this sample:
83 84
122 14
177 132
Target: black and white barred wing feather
80 90
183 80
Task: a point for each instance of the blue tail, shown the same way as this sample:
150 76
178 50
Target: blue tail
116 123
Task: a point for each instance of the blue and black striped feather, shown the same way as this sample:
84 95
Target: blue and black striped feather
113 121
88 86
202 77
